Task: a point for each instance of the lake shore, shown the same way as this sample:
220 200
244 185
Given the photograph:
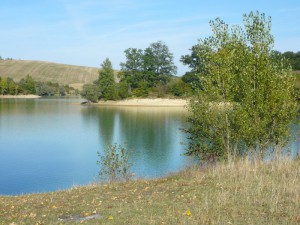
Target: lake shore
20 96
241 192
145 102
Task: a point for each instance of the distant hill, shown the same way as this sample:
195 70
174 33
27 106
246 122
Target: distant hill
75 76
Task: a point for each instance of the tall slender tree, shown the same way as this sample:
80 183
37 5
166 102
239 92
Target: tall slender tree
106 82
246 98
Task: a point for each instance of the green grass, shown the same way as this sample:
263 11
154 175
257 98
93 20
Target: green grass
297 79
46 71
235 193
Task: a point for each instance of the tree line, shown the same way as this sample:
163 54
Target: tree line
151 72
28 85
5 58
148 72
293 58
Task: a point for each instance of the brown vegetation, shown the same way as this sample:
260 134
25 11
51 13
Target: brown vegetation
47 71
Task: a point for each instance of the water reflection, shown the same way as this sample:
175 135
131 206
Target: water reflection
49 144
151 133
294 145
17 106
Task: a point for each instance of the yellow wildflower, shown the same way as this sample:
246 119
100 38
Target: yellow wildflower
110 217
188 213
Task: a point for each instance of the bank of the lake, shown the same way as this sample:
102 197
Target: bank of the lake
243 192
20 96
164 102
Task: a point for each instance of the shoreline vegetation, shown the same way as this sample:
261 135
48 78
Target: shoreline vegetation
240 192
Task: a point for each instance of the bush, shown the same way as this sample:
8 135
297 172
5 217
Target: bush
142 90
179 88
114 163
123 90
90 92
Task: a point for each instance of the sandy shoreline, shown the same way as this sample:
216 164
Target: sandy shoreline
164 102
145 102
20 96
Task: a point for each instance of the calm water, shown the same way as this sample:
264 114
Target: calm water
51 144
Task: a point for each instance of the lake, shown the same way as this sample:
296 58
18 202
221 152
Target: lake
51 144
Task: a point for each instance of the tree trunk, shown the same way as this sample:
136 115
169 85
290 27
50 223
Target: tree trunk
263 152
227 141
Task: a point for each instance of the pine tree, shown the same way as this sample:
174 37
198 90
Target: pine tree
106 82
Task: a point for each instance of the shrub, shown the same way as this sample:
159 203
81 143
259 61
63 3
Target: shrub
114 163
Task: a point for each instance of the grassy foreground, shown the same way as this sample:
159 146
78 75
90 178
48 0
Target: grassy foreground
236 193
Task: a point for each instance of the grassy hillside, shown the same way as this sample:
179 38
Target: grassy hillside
243 192
47 71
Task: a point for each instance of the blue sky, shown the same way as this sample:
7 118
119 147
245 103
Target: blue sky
86 32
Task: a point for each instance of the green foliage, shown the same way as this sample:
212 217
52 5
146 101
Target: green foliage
114 163
134 60
106 82
51 89
3 86
179 88
149 67
69 90
27 85
123 90
90 92
161 89
159 60
142 90
12 87
44 89
293 58
297 86
8 86
192 79
246 98
193 60
62 91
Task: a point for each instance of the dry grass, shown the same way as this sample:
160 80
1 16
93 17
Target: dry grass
46 71
243 192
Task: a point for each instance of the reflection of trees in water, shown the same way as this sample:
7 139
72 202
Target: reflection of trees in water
150 132
105 118
148 129
295 137
17 106
37 107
